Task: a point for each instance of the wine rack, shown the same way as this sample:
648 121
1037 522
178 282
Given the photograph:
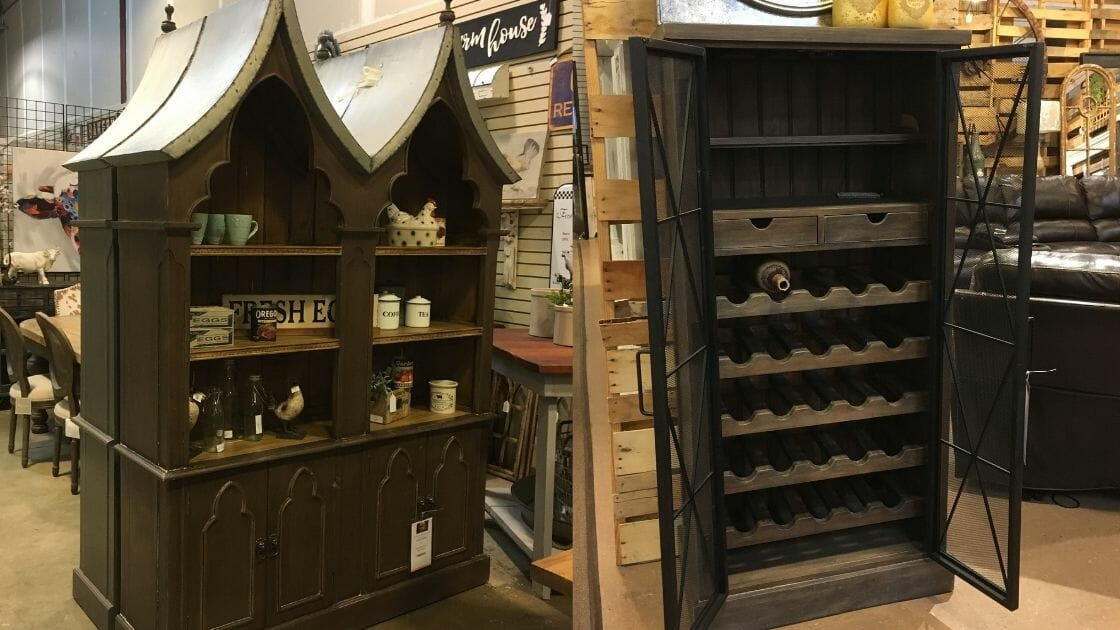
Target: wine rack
824 506
820 289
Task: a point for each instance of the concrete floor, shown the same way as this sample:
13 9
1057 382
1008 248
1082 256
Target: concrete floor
39 547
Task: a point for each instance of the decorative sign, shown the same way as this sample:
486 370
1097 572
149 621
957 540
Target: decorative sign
292 311
520 31
563 205
561 100
524 150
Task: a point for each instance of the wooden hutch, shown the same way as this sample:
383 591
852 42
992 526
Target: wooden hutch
233 117
811 452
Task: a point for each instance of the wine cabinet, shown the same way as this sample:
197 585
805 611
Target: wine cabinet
810 355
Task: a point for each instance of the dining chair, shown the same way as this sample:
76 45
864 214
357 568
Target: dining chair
29 393
66 382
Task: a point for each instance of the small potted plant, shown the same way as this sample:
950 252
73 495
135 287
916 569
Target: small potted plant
561 300
385 401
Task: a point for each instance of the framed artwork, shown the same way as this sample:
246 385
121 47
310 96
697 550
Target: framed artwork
45 196
524 150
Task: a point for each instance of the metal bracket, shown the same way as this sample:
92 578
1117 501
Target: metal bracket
641 386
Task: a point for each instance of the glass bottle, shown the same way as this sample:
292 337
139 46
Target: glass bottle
210 422
231 425
252 410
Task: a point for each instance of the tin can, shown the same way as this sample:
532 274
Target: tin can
262 323
401 373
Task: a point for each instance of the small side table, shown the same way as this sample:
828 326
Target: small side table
545 368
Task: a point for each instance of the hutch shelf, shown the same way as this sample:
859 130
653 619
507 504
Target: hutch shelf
813 444
233 117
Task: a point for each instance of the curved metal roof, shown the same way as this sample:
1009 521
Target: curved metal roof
196 77
382 91
371 99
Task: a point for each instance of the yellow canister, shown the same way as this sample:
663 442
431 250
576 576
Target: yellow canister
910 13
859 13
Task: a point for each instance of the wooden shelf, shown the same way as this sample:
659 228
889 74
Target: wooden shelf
841 355
419 416
802 416
286 343
838 466
801 300
430 251
266 250
841 518
839 140
437 330
315 432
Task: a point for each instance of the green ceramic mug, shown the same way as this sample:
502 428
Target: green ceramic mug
215 229
240 228
201 218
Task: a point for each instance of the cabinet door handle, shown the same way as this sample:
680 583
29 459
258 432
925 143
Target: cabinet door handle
641 385
273 545
262 552
426 506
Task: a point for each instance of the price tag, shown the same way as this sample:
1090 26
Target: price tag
421 544
259 419
392 403
505 407
23 406
227 434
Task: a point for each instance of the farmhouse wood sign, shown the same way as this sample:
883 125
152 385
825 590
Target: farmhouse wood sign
520 31
292 311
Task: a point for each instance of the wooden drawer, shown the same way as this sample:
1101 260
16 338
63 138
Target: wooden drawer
873 226
738 234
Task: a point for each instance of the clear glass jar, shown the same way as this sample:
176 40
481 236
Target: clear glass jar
859 13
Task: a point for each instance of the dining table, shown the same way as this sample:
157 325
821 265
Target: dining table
71 326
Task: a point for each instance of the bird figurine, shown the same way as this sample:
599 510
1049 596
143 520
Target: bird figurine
427 215
193 409
287 411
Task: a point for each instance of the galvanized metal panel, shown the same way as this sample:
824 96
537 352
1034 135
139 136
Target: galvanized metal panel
170 59
231 47
383 113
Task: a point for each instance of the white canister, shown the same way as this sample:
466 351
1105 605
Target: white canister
388 311
442 396
418 312
540 313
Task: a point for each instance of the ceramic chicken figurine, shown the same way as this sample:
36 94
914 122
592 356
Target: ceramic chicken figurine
193 409
426 218
287 411
427 215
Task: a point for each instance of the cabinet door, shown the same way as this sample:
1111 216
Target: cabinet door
303 532
456 482
981 356
224 553
395 477
672 147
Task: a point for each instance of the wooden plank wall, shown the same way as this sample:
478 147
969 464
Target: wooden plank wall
527 108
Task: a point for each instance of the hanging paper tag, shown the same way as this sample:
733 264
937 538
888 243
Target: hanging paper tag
259 423
23 406
392 403
227 434
505 407
421 544
221 447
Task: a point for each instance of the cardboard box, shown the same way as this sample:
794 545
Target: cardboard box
211 317
210 337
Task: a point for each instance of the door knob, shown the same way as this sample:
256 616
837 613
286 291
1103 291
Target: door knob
261 550
273 545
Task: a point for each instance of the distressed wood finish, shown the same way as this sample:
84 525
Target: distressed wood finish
293 533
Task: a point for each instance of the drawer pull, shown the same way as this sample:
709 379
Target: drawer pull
876 217
762 224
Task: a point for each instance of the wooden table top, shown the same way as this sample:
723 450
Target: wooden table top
538 354
71 325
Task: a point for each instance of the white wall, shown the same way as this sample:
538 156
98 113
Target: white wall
69 50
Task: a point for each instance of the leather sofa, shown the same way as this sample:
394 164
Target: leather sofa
1074 411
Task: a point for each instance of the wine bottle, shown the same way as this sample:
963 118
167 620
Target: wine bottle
252 411
827 442
738 460
780 511
889 385
785 341
854 333
773 276
776 455
864 491
822 392
739 511
819 281
211 422
818 338
782 387
857 389
231 425
891 333
863 439
750 396
813 501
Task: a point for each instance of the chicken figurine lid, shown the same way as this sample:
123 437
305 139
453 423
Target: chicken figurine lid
418 301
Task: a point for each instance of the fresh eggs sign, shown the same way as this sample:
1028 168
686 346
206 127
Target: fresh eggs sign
520 31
